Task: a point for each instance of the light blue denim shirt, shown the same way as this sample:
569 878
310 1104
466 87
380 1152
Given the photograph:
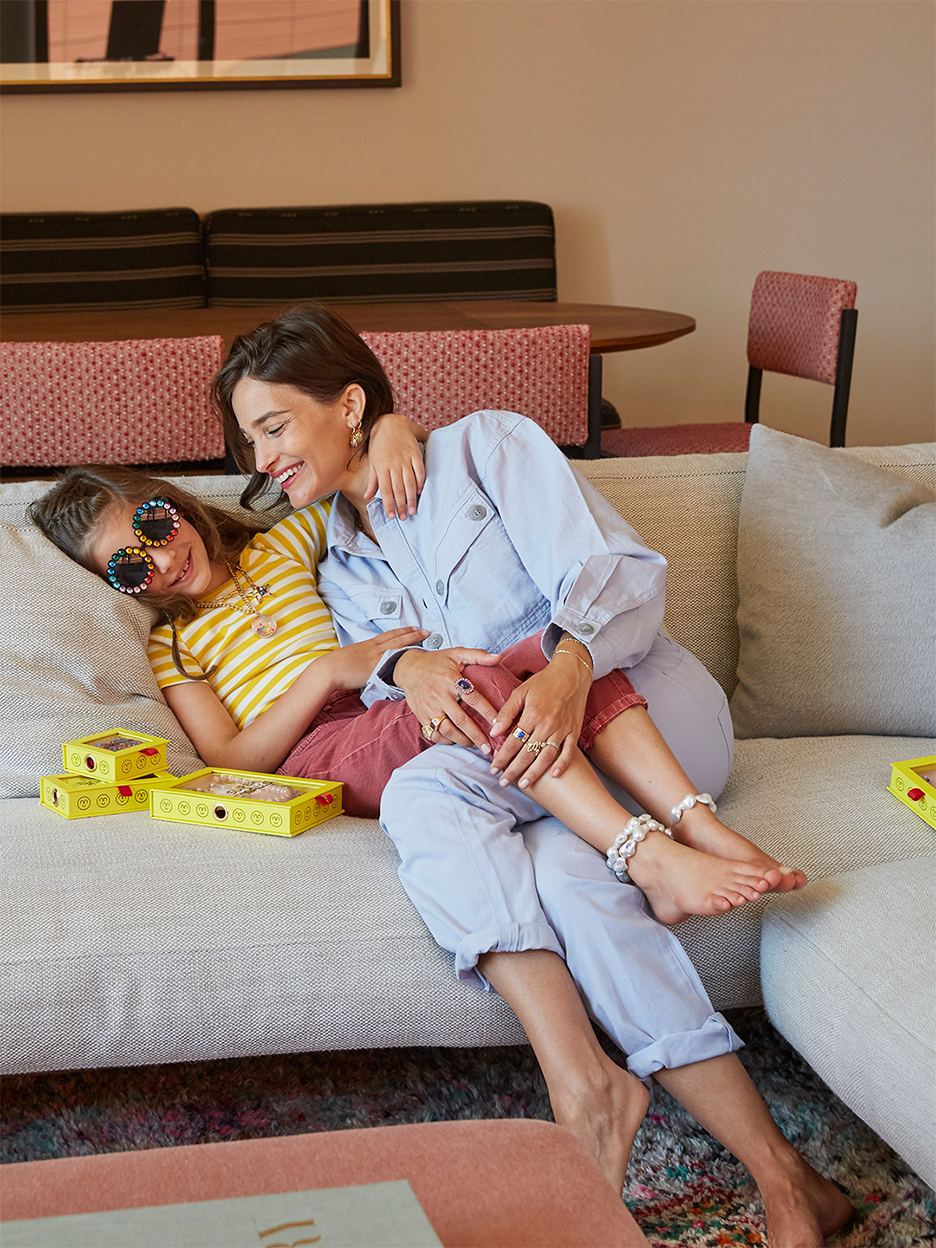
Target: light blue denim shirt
508 539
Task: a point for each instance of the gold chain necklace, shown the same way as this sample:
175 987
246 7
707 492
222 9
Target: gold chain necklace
262 625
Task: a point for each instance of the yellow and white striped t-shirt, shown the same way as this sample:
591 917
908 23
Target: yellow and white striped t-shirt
253 671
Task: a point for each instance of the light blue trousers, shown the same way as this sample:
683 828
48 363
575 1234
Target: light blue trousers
489 871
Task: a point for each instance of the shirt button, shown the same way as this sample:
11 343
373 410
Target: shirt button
440 587
433 642
585 629
477 512
388 607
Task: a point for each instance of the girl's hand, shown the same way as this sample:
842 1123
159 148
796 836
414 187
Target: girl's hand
548 707
349 667
427 677
395 464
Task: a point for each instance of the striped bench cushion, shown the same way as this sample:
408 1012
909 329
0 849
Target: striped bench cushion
77 262
381 253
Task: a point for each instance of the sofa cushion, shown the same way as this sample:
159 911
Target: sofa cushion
836 595
860 1008
818 803
72 662
686 507
129 940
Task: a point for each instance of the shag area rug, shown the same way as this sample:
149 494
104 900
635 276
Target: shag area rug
683 1187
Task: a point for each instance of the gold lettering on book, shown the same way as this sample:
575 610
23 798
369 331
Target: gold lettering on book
288 1226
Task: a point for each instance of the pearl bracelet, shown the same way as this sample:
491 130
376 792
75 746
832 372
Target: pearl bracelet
626 842
687 803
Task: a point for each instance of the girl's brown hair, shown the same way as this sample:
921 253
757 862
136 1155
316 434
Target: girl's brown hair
311 349
71 511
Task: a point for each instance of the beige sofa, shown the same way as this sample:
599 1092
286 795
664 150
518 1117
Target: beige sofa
130 940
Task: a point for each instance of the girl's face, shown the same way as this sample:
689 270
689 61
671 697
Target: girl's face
181 567
301 443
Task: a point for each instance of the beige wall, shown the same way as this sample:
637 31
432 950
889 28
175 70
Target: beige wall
683 144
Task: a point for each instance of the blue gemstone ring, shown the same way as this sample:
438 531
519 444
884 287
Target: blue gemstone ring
520 734
464 686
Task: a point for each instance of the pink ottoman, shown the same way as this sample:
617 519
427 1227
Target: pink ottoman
506 1183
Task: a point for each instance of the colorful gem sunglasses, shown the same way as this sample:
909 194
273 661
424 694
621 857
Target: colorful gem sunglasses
131 568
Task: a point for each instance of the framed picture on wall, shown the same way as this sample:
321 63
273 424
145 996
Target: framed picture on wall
185 45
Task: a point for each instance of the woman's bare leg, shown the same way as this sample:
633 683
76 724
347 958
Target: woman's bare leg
632 752
592 1097
802 1208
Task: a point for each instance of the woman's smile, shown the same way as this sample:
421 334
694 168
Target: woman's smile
301 443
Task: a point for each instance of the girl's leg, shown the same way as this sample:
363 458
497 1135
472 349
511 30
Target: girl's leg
802 1208
647 755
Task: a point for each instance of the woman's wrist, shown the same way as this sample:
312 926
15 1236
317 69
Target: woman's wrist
575 649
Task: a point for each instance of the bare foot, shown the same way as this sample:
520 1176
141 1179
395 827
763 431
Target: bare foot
605 1119
802 1207
702 830
679 881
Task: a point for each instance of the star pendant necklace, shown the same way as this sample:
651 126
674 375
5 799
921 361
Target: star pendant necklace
249 604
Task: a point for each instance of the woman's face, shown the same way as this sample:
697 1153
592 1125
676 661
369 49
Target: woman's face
181 567
302 443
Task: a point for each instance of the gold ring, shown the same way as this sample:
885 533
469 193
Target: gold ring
429 729
534 747
520 734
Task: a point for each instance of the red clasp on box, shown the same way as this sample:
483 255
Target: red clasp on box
916 795
325 799
149 750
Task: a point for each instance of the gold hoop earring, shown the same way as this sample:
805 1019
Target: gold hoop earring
357 435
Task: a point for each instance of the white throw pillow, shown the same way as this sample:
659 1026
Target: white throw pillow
72 662
837 597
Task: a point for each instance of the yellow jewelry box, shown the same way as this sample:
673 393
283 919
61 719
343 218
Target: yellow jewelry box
914 782
115 756
248 800
77 797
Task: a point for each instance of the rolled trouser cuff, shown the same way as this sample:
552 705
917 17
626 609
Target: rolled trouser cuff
715 1037
502 938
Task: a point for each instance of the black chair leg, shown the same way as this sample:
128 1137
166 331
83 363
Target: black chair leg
752 398
843 374
592 447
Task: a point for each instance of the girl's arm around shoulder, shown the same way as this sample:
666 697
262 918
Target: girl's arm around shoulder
396 464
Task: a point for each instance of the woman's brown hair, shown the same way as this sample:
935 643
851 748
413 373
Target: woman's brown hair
311 349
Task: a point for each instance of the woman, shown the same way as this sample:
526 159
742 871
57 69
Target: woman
298 392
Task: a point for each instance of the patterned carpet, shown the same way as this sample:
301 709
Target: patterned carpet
683 1187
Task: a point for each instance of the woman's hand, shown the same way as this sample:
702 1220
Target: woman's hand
427 677
395 464
349 667
549 708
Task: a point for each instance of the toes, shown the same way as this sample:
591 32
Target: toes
734 899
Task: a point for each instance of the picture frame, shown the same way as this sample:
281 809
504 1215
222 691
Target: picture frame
197 45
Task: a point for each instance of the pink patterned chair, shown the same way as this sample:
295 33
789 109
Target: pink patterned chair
137 402
441 375
800 325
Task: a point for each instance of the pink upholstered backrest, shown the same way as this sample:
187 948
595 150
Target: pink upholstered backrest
795 321
441 375
137 402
